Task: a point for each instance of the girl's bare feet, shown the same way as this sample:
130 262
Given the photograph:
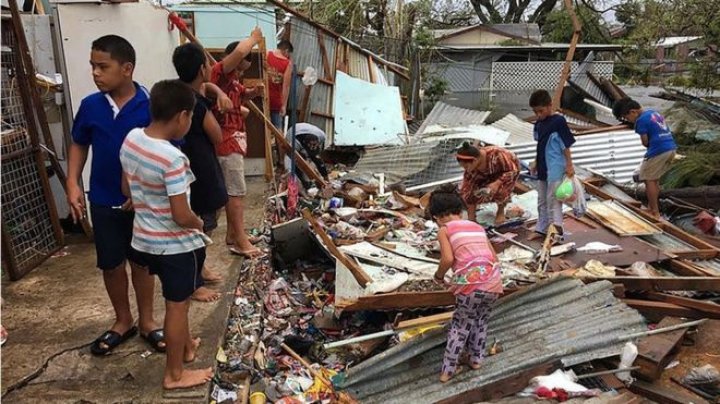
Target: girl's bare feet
188 378
203 294
191 354
444 377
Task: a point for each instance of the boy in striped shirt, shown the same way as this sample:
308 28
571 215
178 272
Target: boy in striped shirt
166 233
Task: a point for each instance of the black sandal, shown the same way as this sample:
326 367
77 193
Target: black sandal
112 340
154 338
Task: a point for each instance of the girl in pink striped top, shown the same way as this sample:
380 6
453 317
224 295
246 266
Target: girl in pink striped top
476 280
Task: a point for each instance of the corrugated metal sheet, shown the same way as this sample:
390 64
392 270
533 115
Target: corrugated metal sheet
520 131
582 80
561 319
448 116
613 154
358 65
666 242
523 30
709 265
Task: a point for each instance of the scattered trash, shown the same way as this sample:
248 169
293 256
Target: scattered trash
146 354
597 247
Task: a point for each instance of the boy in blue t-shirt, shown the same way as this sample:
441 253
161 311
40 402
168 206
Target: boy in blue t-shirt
657 137
553 160
102 123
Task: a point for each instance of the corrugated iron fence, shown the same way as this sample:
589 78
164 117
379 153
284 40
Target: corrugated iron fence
30 227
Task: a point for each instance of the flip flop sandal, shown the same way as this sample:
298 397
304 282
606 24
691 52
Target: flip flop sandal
237 251
112 340
154 338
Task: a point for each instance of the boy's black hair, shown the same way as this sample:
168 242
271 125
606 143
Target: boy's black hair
231 47
623 106
466 149
188 59
170 97
540 98
287 45
445 201
118 47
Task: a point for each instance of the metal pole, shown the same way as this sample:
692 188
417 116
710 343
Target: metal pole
664 329
361 338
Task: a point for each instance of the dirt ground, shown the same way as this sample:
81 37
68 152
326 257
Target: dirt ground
62 305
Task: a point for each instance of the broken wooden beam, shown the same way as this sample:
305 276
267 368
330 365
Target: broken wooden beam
657 310
655 352
287 148
663 395
400 300
360 275
504 387
658 283
708 309
420 321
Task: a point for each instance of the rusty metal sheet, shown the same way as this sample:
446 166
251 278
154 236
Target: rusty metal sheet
620 220
581 233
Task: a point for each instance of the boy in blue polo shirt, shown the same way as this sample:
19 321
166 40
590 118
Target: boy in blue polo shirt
657 137
102 123
553 160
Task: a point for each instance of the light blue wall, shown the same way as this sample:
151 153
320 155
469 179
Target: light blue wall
218 25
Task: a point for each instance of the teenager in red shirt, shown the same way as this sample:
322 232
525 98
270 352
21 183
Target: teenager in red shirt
280 77
233 147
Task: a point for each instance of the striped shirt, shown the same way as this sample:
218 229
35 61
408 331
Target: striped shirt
474 266
157 170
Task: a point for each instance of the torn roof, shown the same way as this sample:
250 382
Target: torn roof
670 41
613 154
520 130
447 116
529 337
526 31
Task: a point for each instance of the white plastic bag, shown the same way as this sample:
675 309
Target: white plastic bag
629 353
579 205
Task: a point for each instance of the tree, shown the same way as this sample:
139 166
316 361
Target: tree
558 26
512 11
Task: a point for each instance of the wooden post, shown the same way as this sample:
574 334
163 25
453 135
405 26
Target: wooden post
269 172
360 275
284 145
569 57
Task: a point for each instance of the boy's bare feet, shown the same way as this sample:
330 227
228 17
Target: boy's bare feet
191 354
203 294
536 235
210 276
500 218
188 378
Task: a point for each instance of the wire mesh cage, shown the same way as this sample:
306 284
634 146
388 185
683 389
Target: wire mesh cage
30 227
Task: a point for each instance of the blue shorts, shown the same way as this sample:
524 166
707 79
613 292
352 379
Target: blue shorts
277 119
180 274
113 230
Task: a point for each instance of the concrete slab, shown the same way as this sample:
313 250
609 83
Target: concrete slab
61 307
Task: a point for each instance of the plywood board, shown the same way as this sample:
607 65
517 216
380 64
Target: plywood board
620 220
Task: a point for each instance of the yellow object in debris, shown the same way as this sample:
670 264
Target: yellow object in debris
221 357
319 386
258 397
414 332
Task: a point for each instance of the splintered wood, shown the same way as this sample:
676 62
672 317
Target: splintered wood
620 220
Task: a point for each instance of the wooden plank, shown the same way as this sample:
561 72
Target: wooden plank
657 310
360 275
617 218
400 300
697 255
684 268
269 171
504 387
371 70
570 54
322 114
687 237
656 351
285 146
698 283
663 395
709 309
602 129
325 60
416 322
305 103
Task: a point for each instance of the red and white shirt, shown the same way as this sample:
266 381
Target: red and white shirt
157 170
